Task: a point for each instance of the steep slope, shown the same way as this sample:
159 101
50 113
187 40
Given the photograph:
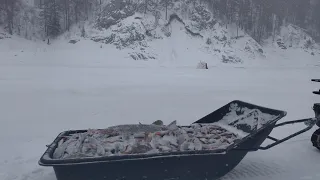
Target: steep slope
182 35
186 37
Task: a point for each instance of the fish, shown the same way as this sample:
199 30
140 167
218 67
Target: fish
138 128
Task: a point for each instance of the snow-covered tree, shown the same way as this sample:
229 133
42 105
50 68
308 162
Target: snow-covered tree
51 18
258 18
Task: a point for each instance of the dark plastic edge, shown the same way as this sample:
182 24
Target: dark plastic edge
46 159
264 109
316 92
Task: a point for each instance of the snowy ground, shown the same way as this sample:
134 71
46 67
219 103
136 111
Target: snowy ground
45 91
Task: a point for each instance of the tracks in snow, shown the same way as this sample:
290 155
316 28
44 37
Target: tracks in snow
255 169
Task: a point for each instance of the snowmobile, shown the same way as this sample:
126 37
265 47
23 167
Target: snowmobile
315 138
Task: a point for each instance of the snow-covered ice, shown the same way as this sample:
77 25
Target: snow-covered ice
47 90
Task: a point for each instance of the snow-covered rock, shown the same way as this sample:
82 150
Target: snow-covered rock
201 18
127 33
114 12
3 35
231 59
126 26
202 65
292 36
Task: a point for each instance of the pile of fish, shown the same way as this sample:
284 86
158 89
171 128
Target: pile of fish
145 139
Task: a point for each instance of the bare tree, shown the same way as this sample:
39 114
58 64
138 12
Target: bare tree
167 9
9 8
145 6
67 14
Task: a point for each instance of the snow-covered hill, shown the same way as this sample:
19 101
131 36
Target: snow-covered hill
178 50
185 37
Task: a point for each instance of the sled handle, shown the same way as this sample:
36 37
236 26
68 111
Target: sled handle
310 122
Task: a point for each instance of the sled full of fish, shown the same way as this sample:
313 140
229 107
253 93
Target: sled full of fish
207 149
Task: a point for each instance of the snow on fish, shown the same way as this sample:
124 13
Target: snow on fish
144 139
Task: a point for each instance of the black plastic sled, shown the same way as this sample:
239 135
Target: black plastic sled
189 165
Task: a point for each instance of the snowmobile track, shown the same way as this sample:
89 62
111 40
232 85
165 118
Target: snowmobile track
254 169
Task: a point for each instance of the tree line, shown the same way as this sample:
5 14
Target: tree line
59 15
263 18
51 17
259 18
